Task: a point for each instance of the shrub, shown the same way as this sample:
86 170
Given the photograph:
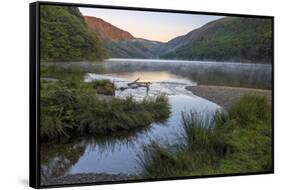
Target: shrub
105 87
58 105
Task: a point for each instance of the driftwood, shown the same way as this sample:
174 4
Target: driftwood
135 84
131 83
141 84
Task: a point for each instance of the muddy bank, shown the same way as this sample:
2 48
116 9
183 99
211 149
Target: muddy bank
88 178
226 96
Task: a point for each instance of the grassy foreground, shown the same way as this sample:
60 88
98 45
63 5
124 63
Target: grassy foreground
70 107
240 142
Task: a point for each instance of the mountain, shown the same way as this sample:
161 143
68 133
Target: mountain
136 48
227 39
64 36
176 43
120 43
106 30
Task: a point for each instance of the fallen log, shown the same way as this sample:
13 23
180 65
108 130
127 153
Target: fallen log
135 84
141 84
131 83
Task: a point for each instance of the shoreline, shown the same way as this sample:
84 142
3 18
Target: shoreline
226 96
88 178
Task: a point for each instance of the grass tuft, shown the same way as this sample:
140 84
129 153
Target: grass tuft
103 117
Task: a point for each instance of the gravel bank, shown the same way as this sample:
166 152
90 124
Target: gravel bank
87 178
226 96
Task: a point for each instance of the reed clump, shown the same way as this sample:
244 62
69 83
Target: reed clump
240 142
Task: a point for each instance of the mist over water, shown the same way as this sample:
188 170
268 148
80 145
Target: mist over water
247 75
203 72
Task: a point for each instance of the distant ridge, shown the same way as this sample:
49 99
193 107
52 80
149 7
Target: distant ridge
106 30
120 43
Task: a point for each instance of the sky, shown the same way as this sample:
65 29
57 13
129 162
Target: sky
156 26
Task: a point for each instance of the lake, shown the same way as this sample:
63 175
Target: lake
119 153
201 72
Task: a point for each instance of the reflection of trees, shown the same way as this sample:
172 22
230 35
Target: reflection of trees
57 159
111 143
251 76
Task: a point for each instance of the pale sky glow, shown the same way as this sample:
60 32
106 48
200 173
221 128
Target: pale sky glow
157 26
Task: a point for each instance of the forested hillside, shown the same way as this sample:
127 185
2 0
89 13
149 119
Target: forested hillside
229 38
64 36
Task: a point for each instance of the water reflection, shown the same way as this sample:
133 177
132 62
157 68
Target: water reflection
57 158
146 76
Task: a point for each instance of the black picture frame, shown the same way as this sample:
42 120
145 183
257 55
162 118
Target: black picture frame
34 93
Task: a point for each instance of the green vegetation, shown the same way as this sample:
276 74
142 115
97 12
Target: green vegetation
230 38
70 107
238 143
65 37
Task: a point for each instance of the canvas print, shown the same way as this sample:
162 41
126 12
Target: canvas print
146 95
